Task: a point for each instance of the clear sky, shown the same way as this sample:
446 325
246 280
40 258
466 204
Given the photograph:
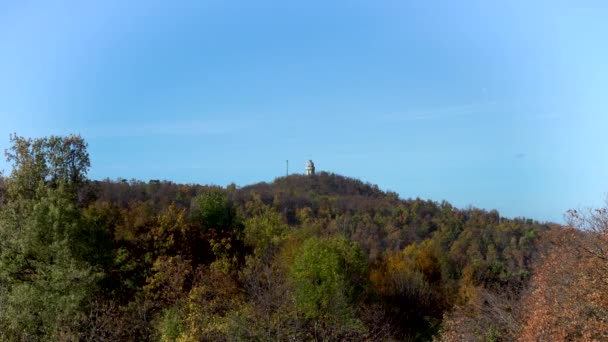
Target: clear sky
495 104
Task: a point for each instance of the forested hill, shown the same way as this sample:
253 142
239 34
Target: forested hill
321 257
380 221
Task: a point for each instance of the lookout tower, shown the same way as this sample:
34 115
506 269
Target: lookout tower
310 168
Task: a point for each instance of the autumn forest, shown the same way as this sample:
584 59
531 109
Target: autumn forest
303 258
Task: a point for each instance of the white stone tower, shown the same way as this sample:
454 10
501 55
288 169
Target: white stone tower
310 168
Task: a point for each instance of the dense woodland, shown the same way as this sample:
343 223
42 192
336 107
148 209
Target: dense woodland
321 257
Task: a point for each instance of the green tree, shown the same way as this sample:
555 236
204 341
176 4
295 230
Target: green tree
51 160
212 210
42 272
45 242
265 229
328 274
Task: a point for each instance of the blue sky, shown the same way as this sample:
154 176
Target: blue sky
495 104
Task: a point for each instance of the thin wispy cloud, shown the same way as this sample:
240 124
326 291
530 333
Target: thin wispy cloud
440 113
165 128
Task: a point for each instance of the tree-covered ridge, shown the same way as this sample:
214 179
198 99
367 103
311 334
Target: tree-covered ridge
321 257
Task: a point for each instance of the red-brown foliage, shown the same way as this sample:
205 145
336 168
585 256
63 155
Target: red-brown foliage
568 300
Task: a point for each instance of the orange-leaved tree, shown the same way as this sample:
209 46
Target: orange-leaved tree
568 301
